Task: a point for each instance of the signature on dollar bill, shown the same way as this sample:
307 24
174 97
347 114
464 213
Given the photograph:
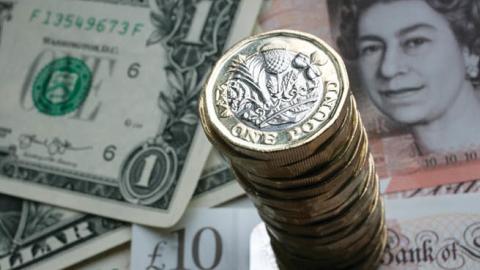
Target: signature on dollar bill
101 108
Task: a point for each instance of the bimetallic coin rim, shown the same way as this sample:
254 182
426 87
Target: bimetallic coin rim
367 231
322 228
327 226
210 89
315 176
326 152
367 191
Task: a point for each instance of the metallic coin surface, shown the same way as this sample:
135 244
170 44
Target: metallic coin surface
276 91
321 173
278 107
331 148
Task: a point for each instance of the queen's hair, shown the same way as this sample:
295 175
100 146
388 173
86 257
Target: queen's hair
463 16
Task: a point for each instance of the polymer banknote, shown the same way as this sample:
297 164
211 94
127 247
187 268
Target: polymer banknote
428 136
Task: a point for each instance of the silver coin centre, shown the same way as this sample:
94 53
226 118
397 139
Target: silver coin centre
274 88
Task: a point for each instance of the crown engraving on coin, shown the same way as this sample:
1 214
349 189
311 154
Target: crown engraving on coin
272 89
276 90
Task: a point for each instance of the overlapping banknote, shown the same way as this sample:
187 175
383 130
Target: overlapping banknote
40 236
421 124
424 233
99 100
98 114
117 258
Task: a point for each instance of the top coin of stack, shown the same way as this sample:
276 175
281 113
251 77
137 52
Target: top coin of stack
278 106
268 102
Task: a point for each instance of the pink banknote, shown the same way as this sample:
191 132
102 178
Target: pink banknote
467 187
417 90
427 233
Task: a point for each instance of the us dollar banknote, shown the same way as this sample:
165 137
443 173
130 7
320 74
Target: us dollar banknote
40 236
114 259
99 103
217 184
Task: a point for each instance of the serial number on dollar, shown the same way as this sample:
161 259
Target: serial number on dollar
91 23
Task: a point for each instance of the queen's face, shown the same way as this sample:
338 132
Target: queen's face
410 61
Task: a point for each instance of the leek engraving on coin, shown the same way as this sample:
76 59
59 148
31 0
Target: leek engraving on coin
276 91
273 89
61 86
286 120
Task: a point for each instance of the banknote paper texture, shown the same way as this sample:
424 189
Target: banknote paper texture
99 113
217 183
40 236
402 164
420 113
114 259
468 187
203 239
424 233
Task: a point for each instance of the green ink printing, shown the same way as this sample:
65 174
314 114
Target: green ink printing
61 86
89 24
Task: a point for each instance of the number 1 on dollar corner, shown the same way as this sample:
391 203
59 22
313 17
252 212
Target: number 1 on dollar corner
100 108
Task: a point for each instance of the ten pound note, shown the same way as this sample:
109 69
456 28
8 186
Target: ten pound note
202 239
424 233
420 114
99 98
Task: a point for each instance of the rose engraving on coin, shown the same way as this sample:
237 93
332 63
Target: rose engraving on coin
274 88
279 107
276 91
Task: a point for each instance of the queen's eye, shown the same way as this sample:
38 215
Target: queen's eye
370 49
415 43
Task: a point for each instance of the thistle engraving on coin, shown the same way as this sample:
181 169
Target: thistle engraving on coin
276 90
273 88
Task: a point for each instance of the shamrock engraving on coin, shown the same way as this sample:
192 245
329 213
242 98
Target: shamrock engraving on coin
278 106
275 91
274 88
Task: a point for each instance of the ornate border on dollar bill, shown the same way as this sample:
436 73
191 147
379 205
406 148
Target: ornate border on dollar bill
188 65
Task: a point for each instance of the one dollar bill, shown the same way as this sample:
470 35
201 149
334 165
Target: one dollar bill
43 237
98 109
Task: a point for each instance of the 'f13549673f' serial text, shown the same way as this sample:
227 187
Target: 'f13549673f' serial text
91 23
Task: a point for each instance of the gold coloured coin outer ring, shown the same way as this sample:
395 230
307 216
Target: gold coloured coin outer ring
273 159
287 260
328 227
366 256
301 147
330 149
314 177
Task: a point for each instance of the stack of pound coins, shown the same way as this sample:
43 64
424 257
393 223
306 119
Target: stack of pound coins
278 106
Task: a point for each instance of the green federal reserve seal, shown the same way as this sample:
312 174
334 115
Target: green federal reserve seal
61 86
